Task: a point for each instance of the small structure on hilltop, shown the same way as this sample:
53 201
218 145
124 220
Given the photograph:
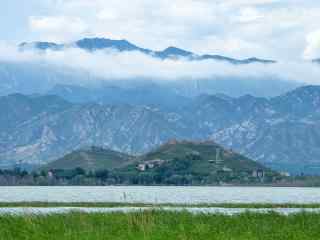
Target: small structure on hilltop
141 167
226 169
50 174
218 160
150 164
285 174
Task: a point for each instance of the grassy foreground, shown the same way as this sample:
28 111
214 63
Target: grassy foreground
161 225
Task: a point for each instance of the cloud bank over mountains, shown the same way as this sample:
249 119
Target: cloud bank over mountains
111 64
312 51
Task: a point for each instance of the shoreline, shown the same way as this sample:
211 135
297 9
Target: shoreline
157 206
22 211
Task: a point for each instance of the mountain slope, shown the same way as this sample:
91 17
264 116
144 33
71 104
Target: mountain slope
47 137
204 157
149 95
91 159
34 77
189 163
205 152
282 132
94 44
18 108
173 163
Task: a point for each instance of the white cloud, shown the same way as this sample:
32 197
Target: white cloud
58 28
240 3
249 14
115 65
262 28
312 49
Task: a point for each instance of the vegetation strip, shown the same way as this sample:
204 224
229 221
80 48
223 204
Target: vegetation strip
161 225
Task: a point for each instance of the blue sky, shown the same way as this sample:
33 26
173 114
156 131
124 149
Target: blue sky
279 29
14 18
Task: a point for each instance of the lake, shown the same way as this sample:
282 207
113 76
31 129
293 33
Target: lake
158 195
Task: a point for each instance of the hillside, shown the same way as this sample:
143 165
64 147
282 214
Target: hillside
91 159
174 163
207 153
185 162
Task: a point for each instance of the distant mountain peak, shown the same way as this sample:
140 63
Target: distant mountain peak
102 43
258 60
41 46
306 90
172 52
317 60
236 61
176 51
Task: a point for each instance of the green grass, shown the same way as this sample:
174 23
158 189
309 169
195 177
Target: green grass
111 205
157 225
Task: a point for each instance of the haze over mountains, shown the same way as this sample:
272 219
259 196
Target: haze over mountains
231 76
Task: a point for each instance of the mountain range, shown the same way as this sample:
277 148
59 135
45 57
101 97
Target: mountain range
43 118
95 44
281 132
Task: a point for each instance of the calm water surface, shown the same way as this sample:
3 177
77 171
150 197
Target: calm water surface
157 195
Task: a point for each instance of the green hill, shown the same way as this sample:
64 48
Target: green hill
195 163
204 154
174 163
92 158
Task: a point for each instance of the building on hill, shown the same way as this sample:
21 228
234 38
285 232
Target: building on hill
141 167
285 174
226 169
150 164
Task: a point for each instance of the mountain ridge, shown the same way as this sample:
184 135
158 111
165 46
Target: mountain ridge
280 131
94 44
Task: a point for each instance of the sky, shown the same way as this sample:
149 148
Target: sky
273 29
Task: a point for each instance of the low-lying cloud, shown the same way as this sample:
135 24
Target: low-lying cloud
312 50
113 65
